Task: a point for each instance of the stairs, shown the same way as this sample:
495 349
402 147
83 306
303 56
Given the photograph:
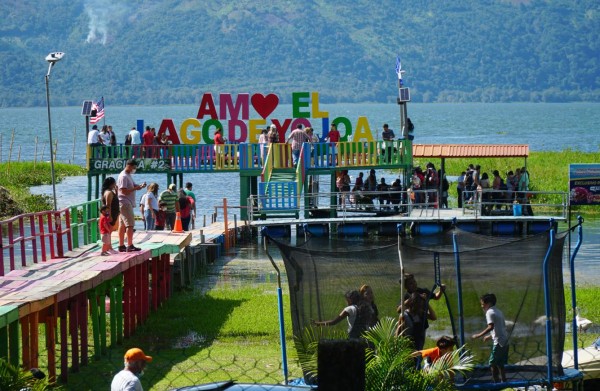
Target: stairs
279 195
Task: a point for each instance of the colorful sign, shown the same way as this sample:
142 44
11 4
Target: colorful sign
584 184
232 114
117 164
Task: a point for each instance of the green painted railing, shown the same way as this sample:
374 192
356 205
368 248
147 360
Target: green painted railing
84 222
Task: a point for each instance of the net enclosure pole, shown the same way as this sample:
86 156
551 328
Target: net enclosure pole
573 295
461 323
284 363
547 303
400 228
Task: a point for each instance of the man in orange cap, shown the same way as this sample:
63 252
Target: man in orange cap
129 378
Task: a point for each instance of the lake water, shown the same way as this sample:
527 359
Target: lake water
545 127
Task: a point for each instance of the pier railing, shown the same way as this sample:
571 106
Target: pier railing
489 202
38 237
420 203
252 156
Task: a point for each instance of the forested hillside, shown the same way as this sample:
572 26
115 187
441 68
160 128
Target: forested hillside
172 51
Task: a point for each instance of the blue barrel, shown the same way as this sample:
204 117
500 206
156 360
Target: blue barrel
352 230
536 227
318 230
506 228
279 231
469 227
427 228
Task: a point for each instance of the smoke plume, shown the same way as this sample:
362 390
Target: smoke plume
105 16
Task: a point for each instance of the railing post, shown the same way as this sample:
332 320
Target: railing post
226 225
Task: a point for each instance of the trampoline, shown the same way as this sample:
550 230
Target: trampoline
525 273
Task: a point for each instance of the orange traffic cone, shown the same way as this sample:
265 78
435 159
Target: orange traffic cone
178 227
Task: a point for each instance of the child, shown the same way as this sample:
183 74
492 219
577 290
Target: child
161 217
358 313
105 230
496 326
443 345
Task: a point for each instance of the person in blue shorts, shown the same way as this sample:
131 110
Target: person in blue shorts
496 327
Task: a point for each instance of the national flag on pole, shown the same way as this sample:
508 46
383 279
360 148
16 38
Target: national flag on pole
399 70
99 107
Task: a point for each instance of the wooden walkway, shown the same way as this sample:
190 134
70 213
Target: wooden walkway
66 294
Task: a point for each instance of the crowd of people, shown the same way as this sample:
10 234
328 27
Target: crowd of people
158 211
367 193
475 186
415 312
146 144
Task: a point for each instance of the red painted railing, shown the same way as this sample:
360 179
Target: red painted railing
34 237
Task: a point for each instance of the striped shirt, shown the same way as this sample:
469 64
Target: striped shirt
298 137
169 198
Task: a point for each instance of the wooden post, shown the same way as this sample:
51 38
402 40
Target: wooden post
226 225
234 229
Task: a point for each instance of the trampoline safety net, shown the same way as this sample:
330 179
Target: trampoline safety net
321 270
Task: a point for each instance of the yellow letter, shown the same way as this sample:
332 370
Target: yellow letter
363 130
315 107
192 136
255 127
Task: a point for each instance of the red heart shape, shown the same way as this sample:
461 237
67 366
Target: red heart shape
264 105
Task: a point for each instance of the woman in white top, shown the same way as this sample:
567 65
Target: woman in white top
263 141
151 206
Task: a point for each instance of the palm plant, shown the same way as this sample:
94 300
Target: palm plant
390 361
14 379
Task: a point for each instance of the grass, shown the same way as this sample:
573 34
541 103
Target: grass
232 332
548 171
18 177
227 333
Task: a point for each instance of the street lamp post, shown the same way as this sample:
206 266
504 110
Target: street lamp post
52 59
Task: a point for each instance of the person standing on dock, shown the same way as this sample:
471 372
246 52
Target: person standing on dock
298 137
170 198
460 188
127 188
333 137
388 146
190 193
128 379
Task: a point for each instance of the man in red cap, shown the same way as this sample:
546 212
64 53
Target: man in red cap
129 378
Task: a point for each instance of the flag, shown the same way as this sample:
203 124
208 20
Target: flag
99 107
399 70
398 67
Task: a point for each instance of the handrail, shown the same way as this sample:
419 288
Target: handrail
423 202
486 201
84 222
43 230
268 164
247 156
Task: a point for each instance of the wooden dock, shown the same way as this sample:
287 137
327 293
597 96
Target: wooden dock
73 293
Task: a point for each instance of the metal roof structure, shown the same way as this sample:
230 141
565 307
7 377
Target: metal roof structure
470 150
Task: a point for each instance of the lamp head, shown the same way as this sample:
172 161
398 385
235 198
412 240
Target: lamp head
54 57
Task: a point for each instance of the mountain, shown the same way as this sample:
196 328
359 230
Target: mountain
172 51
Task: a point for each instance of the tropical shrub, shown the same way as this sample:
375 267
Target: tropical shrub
390 361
